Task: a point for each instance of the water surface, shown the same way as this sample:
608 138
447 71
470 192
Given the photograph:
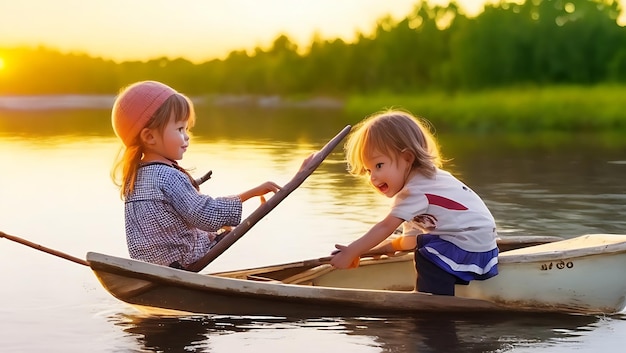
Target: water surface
55 190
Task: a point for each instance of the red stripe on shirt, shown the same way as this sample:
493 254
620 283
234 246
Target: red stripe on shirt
444 202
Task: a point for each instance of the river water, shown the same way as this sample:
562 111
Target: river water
55 190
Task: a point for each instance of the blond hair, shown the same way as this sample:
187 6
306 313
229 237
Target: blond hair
124 172
391 133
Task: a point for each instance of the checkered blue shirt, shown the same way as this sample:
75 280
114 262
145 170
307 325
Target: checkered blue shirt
168 220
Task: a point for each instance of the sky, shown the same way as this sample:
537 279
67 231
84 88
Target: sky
198 30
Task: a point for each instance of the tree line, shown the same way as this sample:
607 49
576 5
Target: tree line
433 48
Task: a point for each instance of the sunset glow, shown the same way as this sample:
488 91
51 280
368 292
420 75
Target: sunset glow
197 30
1 64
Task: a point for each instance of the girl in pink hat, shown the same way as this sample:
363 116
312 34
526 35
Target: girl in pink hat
168 221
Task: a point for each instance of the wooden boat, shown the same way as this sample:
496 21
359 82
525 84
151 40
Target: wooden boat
583 275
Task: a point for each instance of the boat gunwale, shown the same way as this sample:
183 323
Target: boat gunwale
525 256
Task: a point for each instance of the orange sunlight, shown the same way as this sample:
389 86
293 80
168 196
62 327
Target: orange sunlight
197 30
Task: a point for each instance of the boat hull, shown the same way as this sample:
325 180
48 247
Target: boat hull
565 277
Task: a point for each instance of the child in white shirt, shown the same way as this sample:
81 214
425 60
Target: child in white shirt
448 226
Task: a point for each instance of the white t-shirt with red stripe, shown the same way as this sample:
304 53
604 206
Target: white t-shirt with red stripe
445 207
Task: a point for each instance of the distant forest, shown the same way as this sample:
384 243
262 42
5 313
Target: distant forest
434 48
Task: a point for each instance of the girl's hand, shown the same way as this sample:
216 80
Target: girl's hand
342 259
306 161
266 187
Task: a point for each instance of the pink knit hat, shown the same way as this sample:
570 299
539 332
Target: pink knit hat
134 107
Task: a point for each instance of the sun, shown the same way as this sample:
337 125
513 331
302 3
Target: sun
1 64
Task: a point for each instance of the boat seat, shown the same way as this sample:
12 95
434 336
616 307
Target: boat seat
262 279
307 276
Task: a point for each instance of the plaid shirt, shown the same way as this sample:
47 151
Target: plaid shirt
168 220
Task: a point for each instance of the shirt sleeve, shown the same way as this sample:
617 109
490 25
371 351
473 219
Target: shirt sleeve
200 210
409 203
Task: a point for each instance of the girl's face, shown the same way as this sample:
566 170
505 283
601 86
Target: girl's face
386 175
173 141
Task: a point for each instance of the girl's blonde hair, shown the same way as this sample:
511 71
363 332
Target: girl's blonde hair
391 133
128 160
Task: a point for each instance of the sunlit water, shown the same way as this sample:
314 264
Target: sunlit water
55 190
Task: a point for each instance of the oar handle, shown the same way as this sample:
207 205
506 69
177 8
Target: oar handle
237 232
326 259
43 248
204 178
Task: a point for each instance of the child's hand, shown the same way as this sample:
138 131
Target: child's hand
307 161
342 259
266 187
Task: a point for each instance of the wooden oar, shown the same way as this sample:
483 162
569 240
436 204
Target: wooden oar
504 244
204 178
237 232
43 248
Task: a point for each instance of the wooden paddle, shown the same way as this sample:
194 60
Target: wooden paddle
43 248
231 237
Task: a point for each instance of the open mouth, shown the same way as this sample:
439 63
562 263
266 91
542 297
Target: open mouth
383 187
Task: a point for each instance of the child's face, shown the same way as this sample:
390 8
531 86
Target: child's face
386 175
174 140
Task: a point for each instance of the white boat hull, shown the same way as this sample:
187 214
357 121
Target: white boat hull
563 276
582 275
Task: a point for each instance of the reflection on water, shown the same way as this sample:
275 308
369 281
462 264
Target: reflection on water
424 333
256 124
49 124
55 190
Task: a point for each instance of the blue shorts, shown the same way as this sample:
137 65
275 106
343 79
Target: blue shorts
441 265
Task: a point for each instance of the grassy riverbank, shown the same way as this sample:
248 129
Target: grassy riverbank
558 108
